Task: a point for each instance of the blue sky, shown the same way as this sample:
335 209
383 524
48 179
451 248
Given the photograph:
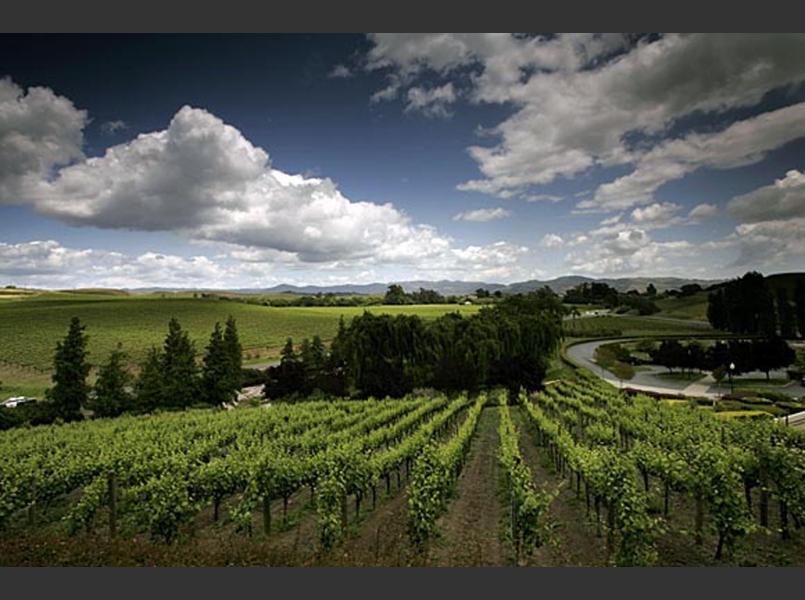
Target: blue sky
245 161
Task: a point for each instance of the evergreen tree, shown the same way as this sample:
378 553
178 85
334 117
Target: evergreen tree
149 386
70 390
799 307
717 310
744 305
785 314
179 369
288 354
234 353
286 378
318 353
216 376
339 346
112 396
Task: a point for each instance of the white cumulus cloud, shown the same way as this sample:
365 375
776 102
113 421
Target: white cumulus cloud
783 199
39 130
482 215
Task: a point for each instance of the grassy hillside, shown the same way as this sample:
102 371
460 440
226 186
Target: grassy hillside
612 326
695 307
689 307
31 327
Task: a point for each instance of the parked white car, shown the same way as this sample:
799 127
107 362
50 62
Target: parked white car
18 401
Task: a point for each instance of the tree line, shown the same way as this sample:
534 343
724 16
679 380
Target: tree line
596 292
395 295
762 354
169 378
506 344
747 305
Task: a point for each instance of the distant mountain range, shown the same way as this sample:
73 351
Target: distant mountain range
447 287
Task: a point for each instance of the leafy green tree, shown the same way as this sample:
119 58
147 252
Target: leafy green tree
70 389
623 371
396 295
149 386
112 394
179 369
770 354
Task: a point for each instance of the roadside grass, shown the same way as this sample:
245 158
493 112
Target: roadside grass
760 381
681 376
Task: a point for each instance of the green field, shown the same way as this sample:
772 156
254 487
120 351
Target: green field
617 326
689 307
30 327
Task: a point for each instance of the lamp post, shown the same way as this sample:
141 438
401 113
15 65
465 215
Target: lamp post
732 368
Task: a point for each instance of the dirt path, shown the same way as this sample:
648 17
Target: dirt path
471 529
381 539
573 541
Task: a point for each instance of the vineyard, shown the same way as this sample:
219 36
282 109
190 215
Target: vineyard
575 474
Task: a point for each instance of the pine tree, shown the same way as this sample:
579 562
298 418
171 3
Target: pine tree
339 346
70 390
179 369
112 396
318 353
215 377
288 354
785 314
234 352
717 310
799 302
149 387
304 353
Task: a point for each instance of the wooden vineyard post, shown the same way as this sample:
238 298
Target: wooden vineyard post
377 542
699 519
266 515
32 506
513 513
764 506
112 483
784 531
